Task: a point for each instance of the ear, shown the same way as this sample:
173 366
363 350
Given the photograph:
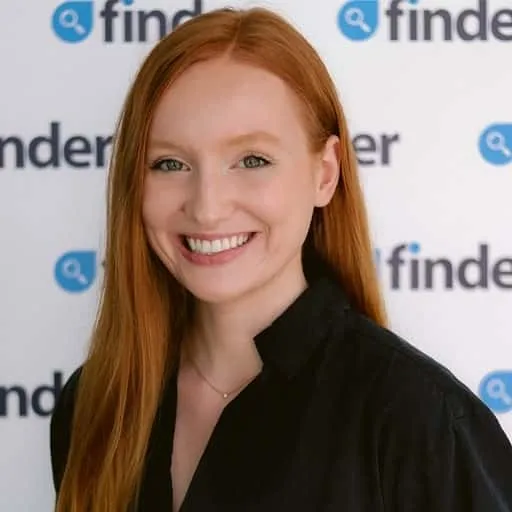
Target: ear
328 172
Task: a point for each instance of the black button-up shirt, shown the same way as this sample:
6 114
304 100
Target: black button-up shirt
344 417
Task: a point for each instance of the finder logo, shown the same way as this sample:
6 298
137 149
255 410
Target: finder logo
495 144
75 271
413 20
17 400
117 20
407 266
496 391
54 150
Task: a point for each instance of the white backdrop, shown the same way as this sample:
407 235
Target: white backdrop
429 105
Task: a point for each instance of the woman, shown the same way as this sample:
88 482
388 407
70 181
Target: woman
240 360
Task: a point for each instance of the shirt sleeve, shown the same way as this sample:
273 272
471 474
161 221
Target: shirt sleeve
60 428
446 455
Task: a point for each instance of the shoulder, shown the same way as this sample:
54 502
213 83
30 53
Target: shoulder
406 371
434 435
60 426
388 367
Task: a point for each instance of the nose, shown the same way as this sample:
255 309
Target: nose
209 200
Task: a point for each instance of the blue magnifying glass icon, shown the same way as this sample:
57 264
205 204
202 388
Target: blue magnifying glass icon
495 141
71 270
355 17
69 19
496 389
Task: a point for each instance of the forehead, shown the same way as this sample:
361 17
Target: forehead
223 98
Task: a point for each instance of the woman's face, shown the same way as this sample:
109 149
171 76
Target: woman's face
231 185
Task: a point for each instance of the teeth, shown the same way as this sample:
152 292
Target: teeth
215 246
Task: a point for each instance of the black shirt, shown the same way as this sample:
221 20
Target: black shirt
344 417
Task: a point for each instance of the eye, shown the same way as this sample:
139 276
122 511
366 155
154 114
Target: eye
254 161
168 165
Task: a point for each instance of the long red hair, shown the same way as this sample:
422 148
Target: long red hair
142 310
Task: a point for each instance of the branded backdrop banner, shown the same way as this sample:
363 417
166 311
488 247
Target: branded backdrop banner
426 87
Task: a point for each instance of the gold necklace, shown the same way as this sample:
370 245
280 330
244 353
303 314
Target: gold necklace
223 394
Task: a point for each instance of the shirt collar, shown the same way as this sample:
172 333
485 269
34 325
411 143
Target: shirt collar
291 339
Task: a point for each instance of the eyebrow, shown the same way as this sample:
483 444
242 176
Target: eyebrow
238 140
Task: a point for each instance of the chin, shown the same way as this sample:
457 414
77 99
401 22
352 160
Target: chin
212 292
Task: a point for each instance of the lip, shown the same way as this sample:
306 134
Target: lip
220 258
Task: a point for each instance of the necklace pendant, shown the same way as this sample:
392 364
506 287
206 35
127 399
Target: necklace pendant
225 395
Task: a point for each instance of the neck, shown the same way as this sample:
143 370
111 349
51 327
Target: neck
222 339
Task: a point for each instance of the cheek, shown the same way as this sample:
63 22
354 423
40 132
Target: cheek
292 193
286 210
151 214
158 205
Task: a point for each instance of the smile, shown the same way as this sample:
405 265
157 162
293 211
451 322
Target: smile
216 245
